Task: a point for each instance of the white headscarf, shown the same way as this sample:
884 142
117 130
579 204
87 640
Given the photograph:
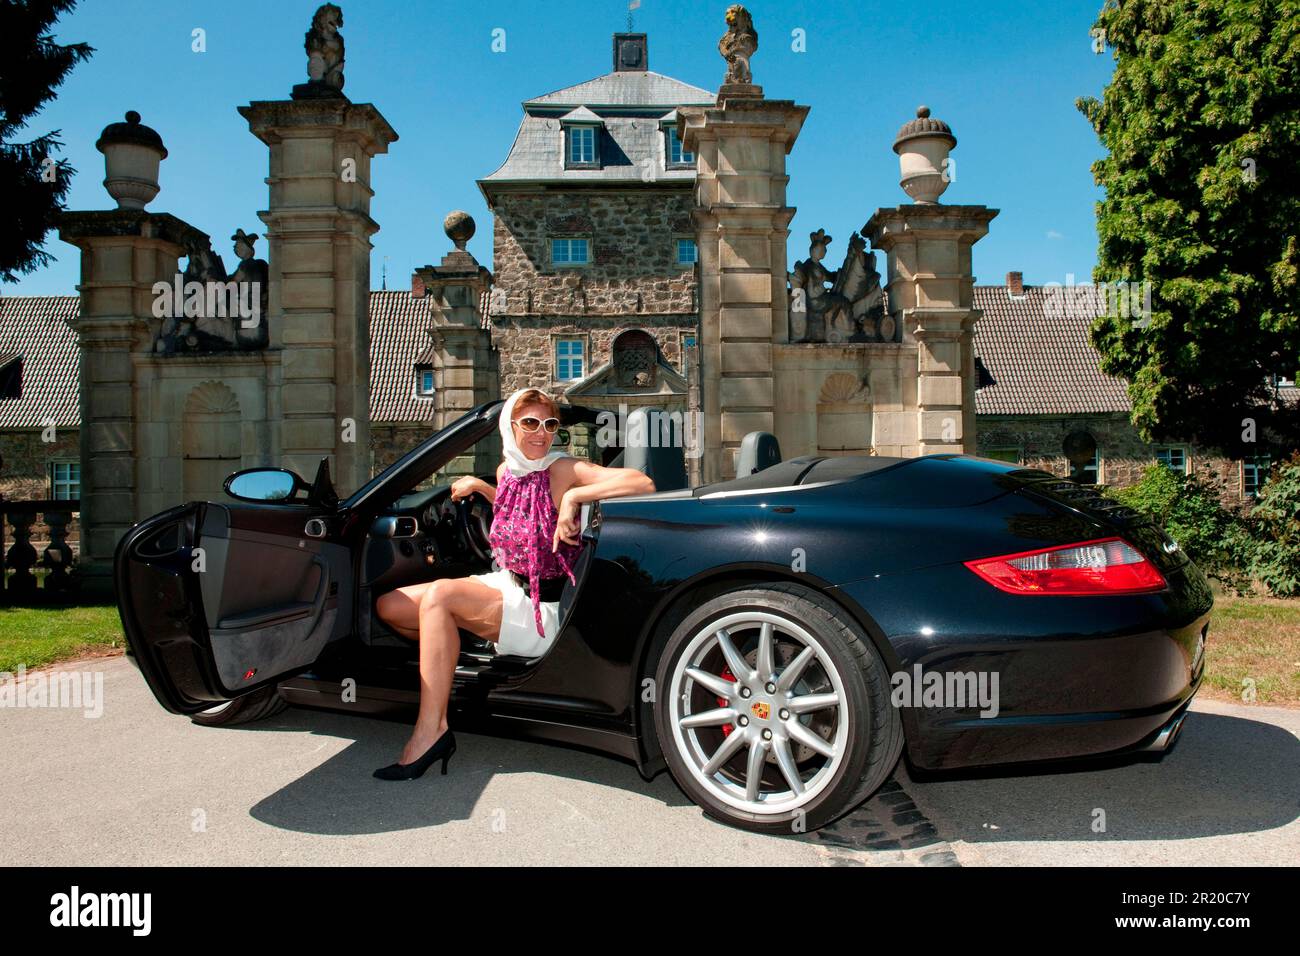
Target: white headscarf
519 463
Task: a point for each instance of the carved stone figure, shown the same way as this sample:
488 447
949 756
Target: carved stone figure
851 310
255 273
189 325
737 45
325 47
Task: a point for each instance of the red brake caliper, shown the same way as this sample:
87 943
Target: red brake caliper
722 701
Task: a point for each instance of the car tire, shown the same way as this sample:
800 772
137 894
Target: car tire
862 729
258 705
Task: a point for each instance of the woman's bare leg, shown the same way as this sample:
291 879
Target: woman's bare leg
446 605
400 609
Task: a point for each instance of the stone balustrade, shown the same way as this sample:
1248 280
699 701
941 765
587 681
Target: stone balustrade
21 558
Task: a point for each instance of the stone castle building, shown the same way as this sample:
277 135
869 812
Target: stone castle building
593 240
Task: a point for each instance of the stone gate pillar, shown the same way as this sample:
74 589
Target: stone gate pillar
123 253
742 222
460 348
930 286
318 228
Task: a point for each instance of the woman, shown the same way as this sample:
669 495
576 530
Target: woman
535 508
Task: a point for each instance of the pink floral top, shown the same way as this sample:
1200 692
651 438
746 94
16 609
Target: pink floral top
524 517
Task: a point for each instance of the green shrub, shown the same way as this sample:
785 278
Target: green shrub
1275 529
1189 508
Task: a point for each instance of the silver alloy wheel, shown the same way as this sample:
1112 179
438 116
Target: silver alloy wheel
764 706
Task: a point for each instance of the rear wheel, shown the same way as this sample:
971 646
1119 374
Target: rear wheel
774 710
258 705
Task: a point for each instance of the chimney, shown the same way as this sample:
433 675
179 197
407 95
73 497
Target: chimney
631 54
417 286
1015 284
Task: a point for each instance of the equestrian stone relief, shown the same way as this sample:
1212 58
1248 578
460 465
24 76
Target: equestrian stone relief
206 310
851 310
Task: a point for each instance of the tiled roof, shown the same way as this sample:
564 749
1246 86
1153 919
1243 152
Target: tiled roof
1035 349
1037 359
36 327
398 335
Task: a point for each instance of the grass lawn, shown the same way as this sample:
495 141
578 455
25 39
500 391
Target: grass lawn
39 636
1257 639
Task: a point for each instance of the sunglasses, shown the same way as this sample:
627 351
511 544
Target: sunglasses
531 424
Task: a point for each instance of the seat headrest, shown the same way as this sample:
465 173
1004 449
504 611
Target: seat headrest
758 450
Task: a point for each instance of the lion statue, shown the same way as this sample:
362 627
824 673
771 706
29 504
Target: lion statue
738 45
325 47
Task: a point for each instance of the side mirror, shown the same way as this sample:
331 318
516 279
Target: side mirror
264 484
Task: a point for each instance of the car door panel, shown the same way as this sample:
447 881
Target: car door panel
219 600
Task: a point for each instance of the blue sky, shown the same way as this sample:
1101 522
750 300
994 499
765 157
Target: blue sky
1003 75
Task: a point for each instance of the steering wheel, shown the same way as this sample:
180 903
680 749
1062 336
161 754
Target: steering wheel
474 515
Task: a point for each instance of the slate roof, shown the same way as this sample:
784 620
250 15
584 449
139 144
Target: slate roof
630 105
36 327
626 88
1035 350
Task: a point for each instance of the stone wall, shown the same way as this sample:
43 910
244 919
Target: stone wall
26 477
633 265
632 281
1121 452
527 357
26 474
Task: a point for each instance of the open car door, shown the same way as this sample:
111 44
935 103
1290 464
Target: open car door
218 600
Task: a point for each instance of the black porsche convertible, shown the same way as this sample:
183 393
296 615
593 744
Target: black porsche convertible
776 640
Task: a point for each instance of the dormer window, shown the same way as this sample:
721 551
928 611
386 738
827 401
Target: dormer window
581 139
424 381
675 155
582 145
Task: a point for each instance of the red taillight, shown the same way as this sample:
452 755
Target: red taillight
1106 566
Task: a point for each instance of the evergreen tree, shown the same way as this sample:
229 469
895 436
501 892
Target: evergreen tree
33 184
1201 123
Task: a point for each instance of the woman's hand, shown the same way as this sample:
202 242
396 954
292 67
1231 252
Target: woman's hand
566 523
468 485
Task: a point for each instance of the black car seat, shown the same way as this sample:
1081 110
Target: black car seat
758 450
665 464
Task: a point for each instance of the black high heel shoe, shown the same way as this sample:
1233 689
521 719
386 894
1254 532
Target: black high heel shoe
443 747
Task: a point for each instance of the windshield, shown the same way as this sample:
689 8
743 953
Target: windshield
410 457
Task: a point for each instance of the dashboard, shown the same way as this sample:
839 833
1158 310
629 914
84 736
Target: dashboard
419 537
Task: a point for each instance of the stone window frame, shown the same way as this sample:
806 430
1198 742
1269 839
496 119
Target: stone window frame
550 247
1186 452
1254 463
420 372
1097 466
679 237
682 335
552 347
569 161
54 482
669 131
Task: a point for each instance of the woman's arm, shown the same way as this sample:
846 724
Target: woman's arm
592 482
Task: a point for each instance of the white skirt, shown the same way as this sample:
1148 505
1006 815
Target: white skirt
518 634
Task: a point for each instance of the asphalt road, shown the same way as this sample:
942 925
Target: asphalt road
136 785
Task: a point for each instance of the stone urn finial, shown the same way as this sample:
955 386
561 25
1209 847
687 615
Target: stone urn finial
922 146
132 153
459 227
